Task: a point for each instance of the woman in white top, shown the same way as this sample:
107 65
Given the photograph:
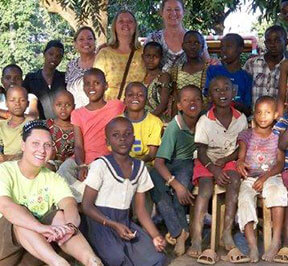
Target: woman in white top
171 37
84 43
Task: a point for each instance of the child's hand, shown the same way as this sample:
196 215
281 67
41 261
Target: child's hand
220 162
258 185
184 196
82 173
123 231
242 168
159 243
221 177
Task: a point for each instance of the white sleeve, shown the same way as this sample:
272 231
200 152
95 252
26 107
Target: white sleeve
145 182
95 175
201 135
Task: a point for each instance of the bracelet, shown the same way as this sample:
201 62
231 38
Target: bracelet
171 178
74 227
207 164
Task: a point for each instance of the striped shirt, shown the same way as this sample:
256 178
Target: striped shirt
279 128
261 153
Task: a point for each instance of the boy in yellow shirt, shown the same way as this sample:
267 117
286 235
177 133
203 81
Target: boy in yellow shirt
147 127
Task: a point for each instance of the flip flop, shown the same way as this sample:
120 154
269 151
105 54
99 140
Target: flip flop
282 256
171 240
235 256
208 256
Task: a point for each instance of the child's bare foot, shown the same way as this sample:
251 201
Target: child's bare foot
228 241
180 243
254 255
195 249
271 252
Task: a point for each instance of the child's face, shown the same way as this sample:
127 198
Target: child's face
230 51
94 87
265 114
120 137
53 57
284 11
16 101
12 76
190 103
63 106
135 98
275 43
151 58
221 93
192 45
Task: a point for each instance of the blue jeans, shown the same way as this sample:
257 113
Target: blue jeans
173 213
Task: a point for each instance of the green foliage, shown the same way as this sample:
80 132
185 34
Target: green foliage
269 9
205 15
85 9
24 31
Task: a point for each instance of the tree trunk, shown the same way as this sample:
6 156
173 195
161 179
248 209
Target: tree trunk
70 16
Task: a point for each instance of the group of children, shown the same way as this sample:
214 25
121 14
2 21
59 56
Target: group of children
112 153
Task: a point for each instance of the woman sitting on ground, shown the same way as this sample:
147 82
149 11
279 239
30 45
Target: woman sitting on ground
37 208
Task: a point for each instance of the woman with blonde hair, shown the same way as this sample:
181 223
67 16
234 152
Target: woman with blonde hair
121 60
172 35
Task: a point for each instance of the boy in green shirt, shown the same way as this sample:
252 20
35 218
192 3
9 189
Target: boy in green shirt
174 167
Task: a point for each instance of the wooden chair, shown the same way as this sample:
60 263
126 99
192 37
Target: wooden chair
265 222
218 211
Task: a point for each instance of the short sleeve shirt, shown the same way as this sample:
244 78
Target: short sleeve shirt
265 81
221 142
177 142
39 195
147 133
241 80
11 138
114 191
278 128
261 153
92 125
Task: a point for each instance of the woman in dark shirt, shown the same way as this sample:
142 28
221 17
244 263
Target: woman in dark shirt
46 82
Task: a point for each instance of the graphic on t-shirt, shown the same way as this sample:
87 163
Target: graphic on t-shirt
137 147
37 203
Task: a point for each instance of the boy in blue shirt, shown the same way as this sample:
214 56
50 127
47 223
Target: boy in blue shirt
232 46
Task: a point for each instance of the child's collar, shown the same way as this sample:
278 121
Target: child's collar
135 121
181 122
211 115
